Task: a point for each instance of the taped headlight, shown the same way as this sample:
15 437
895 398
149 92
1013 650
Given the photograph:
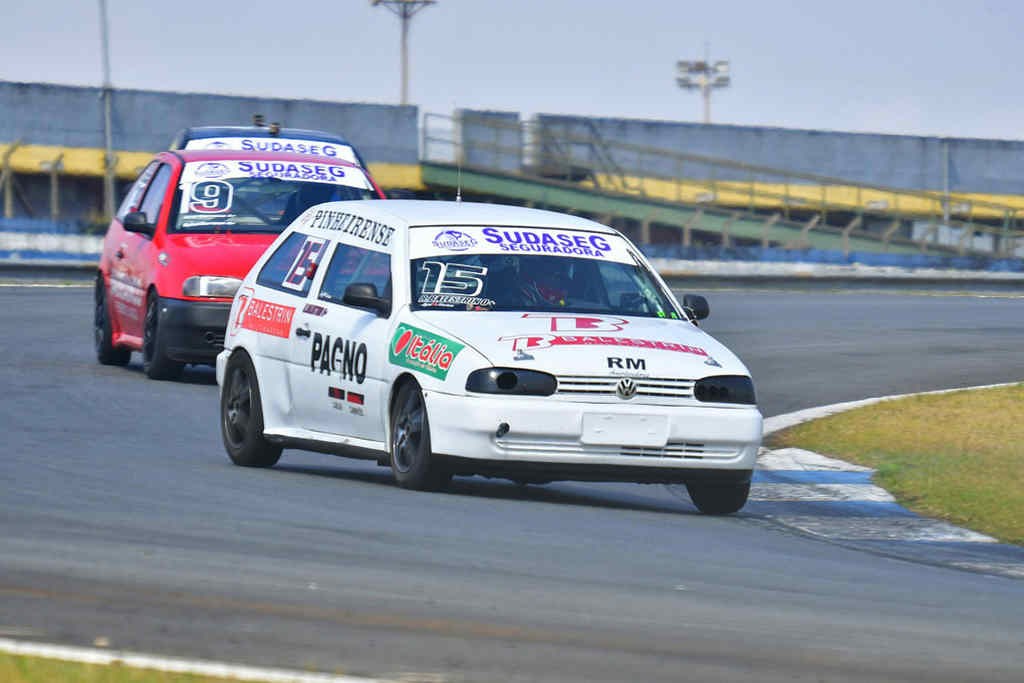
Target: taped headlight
212 286
725 389
511 381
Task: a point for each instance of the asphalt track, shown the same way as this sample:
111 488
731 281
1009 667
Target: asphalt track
121 518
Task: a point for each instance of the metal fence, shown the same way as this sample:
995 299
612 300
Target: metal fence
546 150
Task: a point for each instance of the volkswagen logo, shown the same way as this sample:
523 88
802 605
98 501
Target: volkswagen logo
626 388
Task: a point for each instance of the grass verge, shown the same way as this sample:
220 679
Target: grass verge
957 456
27 669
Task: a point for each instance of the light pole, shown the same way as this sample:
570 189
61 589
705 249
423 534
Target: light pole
404 9
108 157
706 76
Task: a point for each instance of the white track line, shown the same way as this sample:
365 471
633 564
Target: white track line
89 655
779 422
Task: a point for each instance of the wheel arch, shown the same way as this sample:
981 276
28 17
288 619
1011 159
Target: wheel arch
396 386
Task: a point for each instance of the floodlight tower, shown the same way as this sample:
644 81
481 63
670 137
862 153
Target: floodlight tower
404 9
706 76
108 156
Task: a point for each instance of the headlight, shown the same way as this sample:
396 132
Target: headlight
511 381
211 286
725 389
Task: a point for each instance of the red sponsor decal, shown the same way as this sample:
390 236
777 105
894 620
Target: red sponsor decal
266 317
243 303
335 392
570 323
353 397
525 342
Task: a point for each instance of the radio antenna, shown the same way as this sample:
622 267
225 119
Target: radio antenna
458 159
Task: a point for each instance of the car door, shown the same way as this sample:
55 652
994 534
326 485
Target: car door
268 308
124 284
337 369
139 255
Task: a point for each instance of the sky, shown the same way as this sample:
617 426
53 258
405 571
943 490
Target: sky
928 68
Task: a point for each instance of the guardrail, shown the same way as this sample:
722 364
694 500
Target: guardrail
536 149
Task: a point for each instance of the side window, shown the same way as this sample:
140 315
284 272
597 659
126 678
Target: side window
353 264
131 200
293 265
155 194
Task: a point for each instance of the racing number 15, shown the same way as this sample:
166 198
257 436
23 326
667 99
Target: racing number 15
460 278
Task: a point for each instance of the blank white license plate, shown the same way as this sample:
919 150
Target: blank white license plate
605 429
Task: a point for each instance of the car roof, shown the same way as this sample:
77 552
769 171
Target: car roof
411 213
201 132
189 155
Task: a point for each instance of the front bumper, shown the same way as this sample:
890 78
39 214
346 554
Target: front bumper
545 440
194 329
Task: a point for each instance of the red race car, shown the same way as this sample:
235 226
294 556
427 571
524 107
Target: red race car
188 231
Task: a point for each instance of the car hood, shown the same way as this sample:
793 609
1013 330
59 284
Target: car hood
225 254
589 344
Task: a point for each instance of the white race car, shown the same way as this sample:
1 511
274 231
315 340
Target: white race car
447 338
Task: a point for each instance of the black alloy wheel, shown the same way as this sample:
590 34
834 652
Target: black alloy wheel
241 416
103 335
411 460
155 362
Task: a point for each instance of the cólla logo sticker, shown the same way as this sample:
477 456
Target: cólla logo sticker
423 351
454 240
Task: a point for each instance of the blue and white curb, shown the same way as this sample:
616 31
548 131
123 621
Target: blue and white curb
842 502
837 501
88 246
20 249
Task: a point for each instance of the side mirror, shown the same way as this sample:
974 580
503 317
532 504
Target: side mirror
364 295
136 221
696 306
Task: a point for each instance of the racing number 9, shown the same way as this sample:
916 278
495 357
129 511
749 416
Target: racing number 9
210 196
459 279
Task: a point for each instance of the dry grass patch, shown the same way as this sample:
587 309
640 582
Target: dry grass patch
957 456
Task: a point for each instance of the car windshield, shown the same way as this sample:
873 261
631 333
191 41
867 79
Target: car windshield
210 200
528 282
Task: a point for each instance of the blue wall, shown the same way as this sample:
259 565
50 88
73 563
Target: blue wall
144 120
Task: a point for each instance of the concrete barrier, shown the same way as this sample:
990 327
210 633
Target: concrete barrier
24 251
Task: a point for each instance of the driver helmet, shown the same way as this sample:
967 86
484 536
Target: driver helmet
547 283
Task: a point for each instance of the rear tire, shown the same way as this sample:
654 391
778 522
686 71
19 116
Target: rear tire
155 362
103 334
241 416
718 499
412 462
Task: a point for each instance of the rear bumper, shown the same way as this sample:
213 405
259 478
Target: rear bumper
194 329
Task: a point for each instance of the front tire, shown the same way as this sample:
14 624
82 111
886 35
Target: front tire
718 499
412 463
241 416
155 362
103 334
